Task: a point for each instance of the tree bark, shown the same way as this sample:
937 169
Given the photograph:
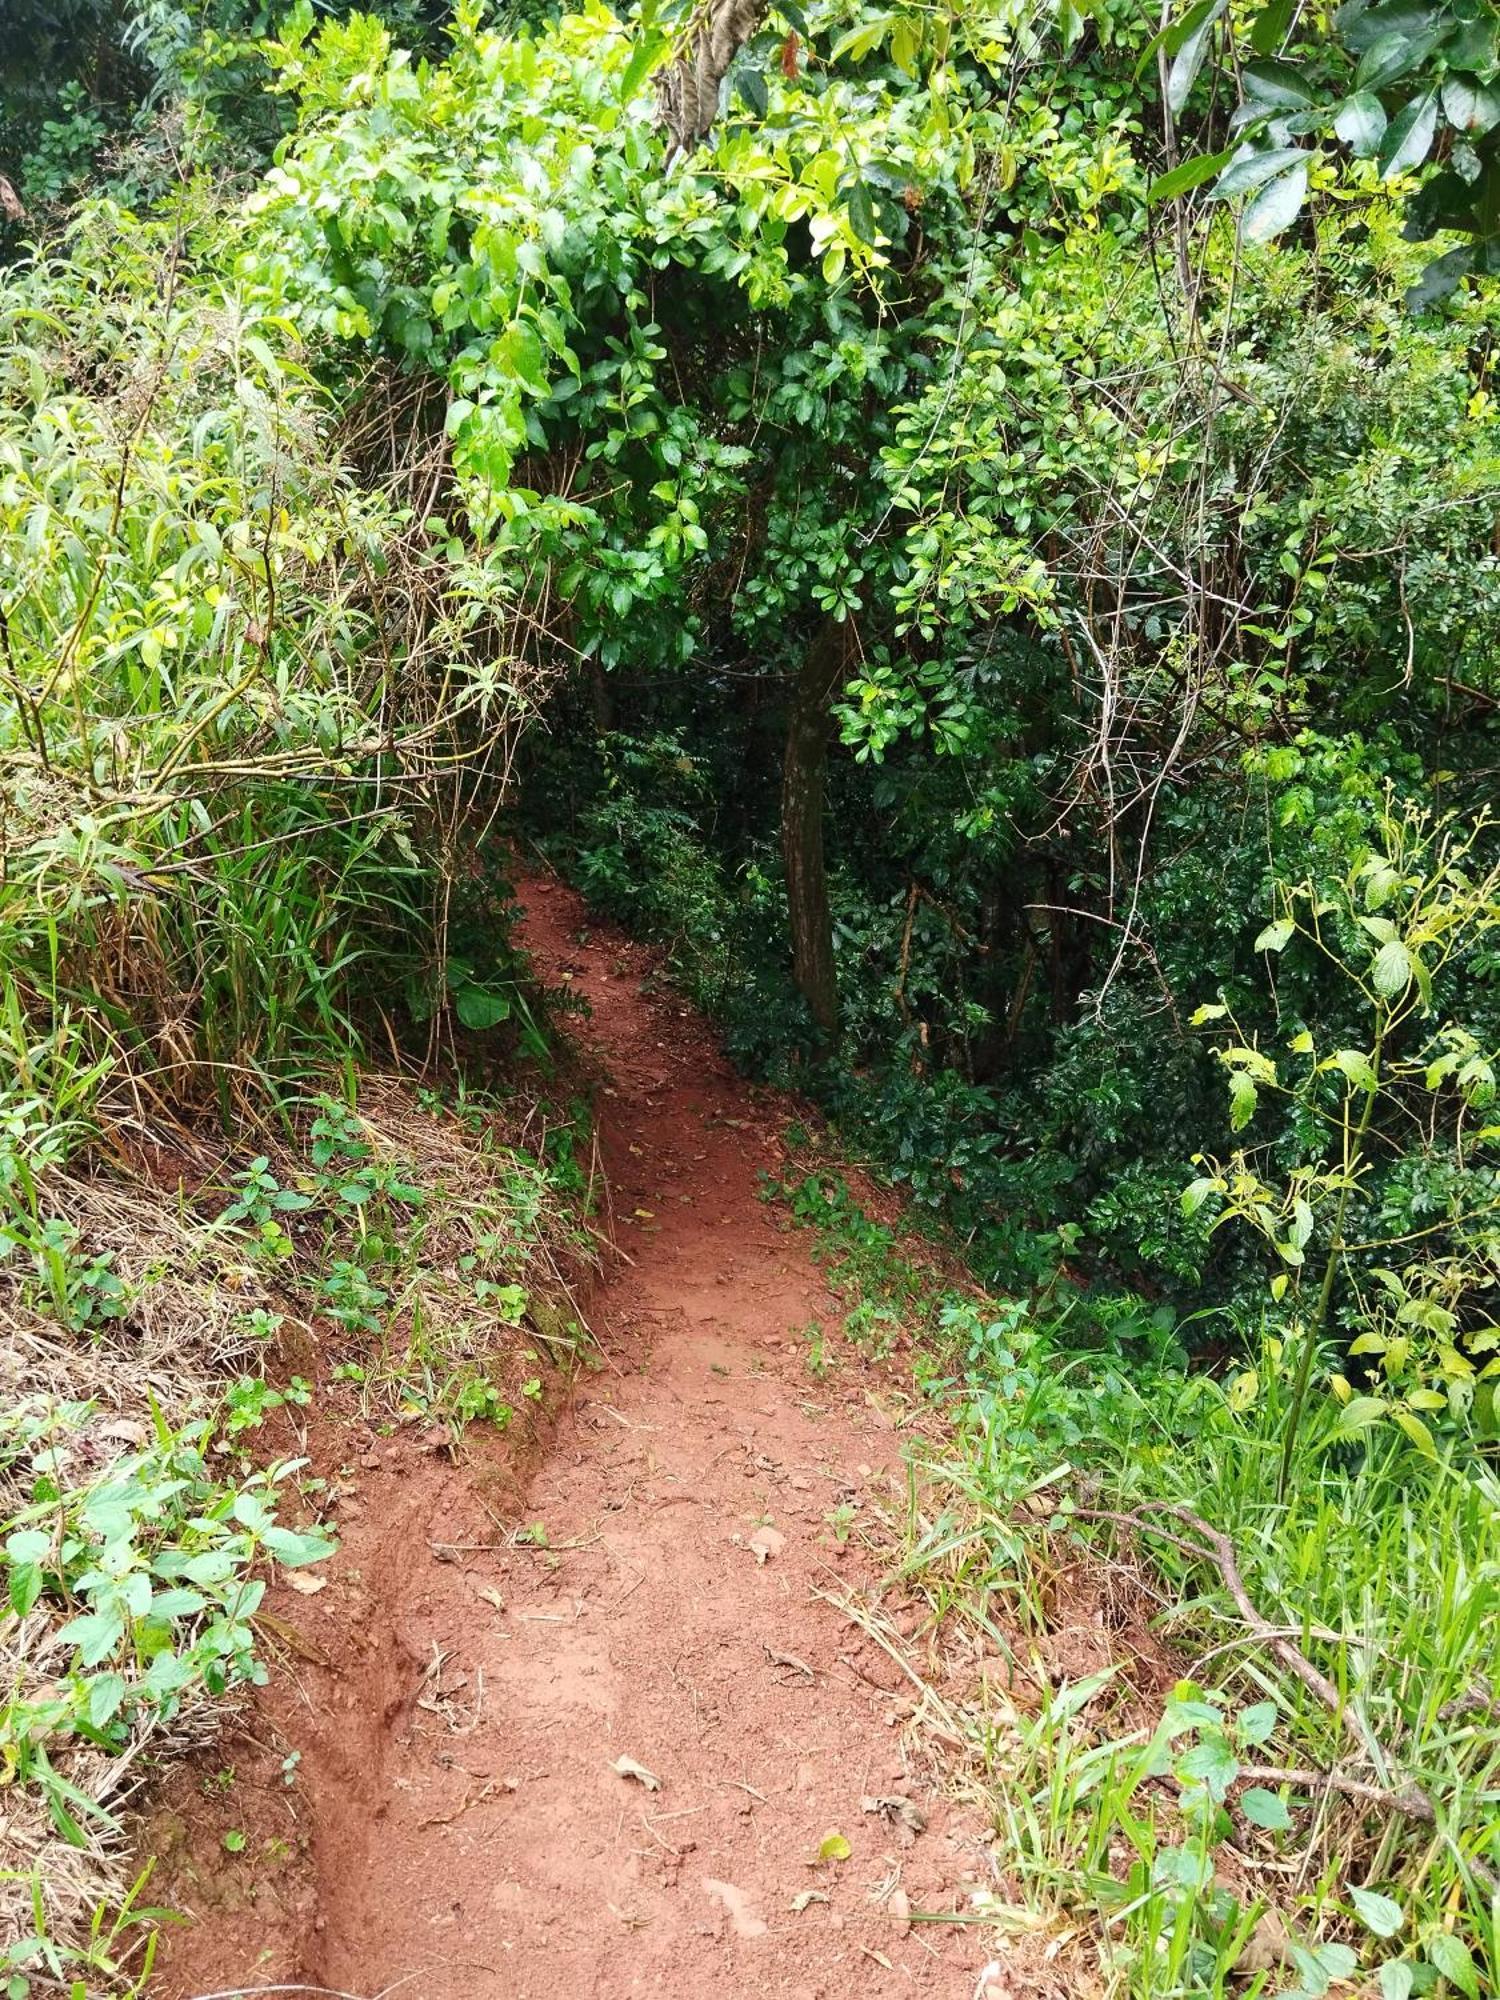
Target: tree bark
803 771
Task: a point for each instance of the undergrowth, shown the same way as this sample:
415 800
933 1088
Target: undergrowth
1282 1768
414 1250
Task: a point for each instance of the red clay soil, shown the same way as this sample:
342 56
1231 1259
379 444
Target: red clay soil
454 1828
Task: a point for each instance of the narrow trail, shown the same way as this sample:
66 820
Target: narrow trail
463 1829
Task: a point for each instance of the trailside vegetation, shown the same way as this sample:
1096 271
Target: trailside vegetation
975 526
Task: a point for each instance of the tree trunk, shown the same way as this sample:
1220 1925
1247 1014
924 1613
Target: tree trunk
802 823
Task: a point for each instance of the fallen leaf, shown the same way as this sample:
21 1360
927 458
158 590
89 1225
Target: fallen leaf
767 1542
309 1586
492 1597
742 1918
645 1214
627 1767
899 1905
899 1810
806 1896
834 1847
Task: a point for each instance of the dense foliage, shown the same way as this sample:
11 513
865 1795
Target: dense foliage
991 555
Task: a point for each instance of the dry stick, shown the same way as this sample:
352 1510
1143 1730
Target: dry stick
1408 1799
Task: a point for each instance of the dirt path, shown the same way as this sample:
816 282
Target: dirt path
461 1828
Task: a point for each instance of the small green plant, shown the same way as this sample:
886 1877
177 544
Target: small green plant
259 1203
152 1571
1411 1289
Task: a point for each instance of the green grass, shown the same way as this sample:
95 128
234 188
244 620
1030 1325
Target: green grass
1170 1820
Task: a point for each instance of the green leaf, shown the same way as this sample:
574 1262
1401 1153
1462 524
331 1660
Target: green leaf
1409 140
1170 39
481 1006
1391 970
1276 207
834 1847
1360 1414
1211 1764
1277 83
1197 1192
1257 1724
251 1512
1377 1913
106 1697
1270 25
26 1581
751 86
1252 170
1391 56
1470 105
1416 1431
1440 278
1397 1978
1189 58
1277 936
1355 1065
295 1550
1188 174
1361 28
1243 1099
28 1545
862 212
1263 1808
1360 122
1450 1955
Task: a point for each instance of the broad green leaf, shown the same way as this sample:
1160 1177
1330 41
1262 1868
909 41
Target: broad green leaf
1257 1724
26 1580
1440 277
1360 1414
1212 1764
293 1549
1360 28
1415 1430
1360 122
1355 1065
1270 25
1251 170
858 41
1170 39
1276 207
1188 175
862 212
1391 56
1397 1978
1391 971
1197 1192
1189 59
751 86
1470 105
1409 139
1243 1099
1277 83
481 1006
28 1545
1277 936
1451 1957
1263 1808
1377 1913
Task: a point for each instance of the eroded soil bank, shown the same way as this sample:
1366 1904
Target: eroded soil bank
453 1822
